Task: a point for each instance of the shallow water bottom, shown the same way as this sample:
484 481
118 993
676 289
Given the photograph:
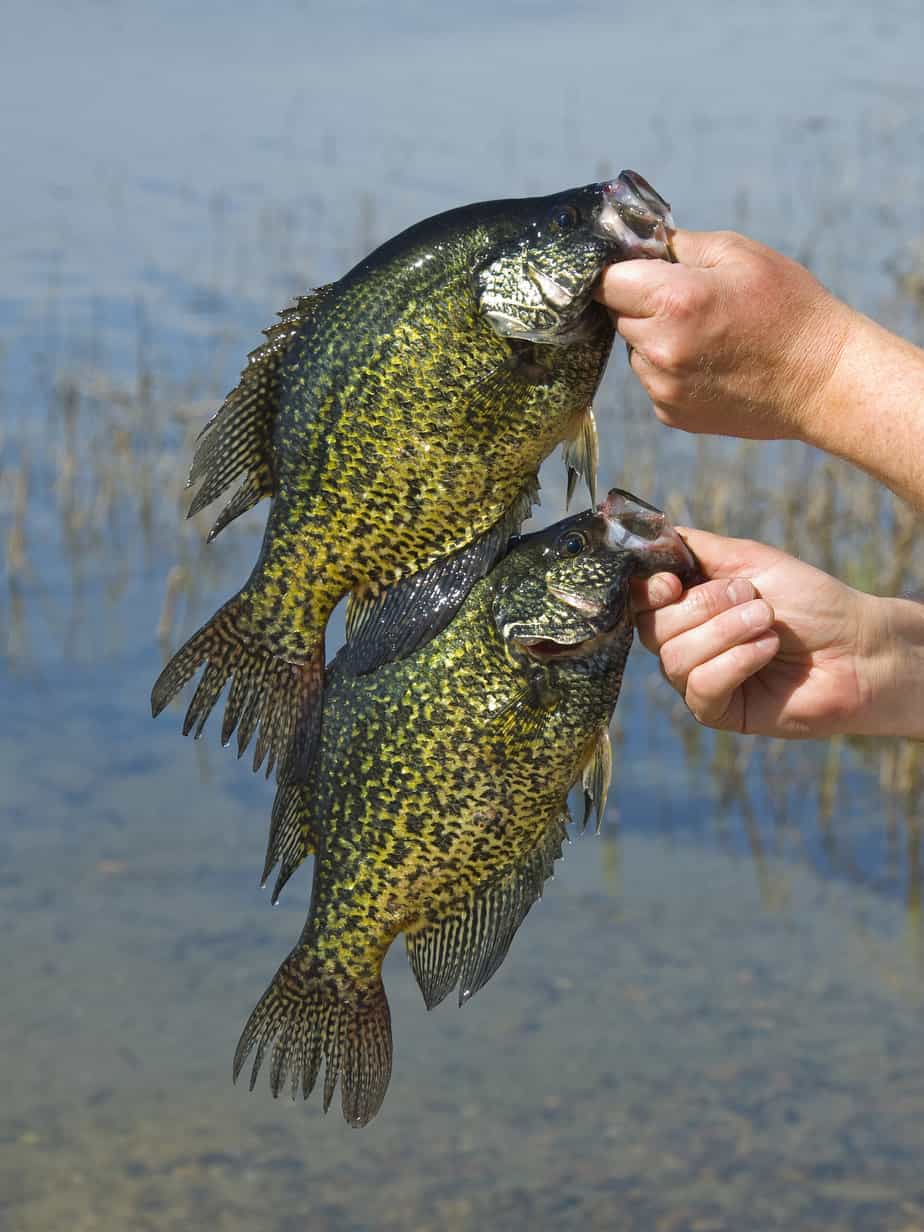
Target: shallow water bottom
659 1051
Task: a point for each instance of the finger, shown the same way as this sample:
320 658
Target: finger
638 332
699 605
635 288
712 692
648 594
742 623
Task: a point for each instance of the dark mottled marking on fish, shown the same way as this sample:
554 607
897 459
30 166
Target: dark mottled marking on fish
397 419
436 806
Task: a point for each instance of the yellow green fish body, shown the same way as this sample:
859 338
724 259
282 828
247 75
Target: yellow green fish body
397 419
437 802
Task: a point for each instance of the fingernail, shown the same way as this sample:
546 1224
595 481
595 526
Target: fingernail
769 642
739 590
659 590
756 613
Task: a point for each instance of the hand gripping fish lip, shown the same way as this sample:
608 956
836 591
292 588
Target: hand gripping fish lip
635 524
636 217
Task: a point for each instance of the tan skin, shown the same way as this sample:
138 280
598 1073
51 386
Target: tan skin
741 341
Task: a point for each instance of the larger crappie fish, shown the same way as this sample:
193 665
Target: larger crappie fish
397 419
437 803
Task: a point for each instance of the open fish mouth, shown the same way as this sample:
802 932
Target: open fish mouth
545 649
636 217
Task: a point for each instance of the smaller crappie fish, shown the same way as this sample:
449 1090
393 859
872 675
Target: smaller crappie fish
438 801
397 420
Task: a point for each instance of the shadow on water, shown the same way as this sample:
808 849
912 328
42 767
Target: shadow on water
713 1018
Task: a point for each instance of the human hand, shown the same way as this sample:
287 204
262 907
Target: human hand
771 645
736 339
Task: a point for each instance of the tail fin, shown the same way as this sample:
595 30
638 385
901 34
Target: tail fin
310 1013
281 698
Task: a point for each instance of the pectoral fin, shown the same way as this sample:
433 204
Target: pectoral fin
468 945
392 623
595 778
582 454
529 709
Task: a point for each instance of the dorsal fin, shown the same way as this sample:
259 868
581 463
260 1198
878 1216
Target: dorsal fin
237 440
468 945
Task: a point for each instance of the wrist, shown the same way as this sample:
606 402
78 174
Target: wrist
870 408
823 395
890 669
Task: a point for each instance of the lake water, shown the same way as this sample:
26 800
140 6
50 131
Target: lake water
714 1018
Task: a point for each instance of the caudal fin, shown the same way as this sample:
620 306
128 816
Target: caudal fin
308 1014
279 700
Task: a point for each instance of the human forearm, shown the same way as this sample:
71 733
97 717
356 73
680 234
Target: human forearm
870 410
891 669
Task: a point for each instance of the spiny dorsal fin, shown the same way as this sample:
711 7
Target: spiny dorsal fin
595 778
399 619
237 439
467 946
293 834
582 454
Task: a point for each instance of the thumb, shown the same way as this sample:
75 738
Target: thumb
706 248
721 557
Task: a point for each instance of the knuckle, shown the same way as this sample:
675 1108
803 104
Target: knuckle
707 600
672 661
728 243
708 705
675 299
645 627
657 353
669 391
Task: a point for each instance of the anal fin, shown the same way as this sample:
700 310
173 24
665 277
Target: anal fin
293 834
392 623
469 944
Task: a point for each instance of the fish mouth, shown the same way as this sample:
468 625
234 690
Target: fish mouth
636 218
545 649
634 525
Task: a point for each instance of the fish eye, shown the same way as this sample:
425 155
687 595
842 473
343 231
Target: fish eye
571 543
564 218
